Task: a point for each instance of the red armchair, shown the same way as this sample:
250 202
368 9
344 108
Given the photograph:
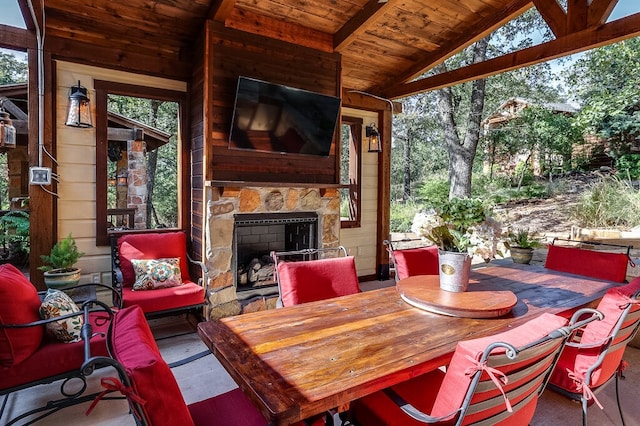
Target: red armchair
28 357
310 280
413 261
591 362
128 248
492 380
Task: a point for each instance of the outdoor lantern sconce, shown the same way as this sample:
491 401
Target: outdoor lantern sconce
375 142
7 131
79 113
121 178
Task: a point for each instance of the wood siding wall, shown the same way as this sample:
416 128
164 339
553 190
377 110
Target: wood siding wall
231 54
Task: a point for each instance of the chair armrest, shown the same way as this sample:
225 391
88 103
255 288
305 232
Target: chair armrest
415 413
204 279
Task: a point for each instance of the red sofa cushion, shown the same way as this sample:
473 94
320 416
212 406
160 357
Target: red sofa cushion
161 299
134 347
230 408
19 304
53 358
416 261
308 281
152 246
590 263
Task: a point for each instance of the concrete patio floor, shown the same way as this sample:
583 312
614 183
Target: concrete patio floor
205 377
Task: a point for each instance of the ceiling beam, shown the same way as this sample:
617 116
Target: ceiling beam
577 12
431 59
221 10
359 23
554 15
612 32
600 10
8 105
16 38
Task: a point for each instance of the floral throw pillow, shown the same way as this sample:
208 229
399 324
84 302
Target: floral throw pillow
57 303
156 273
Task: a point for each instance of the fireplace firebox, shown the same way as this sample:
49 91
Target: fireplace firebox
256 235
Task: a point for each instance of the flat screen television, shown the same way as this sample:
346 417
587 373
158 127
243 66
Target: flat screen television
275 118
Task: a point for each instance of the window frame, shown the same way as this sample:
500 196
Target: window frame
355 162
104 88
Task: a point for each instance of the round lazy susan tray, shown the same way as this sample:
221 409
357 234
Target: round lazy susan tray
423 291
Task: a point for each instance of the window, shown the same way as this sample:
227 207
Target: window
140 159
350 164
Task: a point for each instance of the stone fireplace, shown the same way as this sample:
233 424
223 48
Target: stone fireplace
261 219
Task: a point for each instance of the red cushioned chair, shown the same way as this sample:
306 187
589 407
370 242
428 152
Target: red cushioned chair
28 357
413 261
589 363
151 389
189 297
493 380
308 280
591 263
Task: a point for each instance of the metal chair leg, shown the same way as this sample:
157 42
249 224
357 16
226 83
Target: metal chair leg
618 400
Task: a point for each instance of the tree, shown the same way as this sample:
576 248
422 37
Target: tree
12 70
461 107
607 83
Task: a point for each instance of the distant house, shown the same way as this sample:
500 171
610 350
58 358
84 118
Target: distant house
594 148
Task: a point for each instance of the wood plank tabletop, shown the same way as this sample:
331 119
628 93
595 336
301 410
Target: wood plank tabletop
302 360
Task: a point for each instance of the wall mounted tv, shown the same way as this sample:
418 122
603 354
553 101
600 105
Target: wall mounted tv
274 118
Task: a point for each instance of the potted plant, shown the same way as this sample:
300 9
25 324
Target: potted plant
521 244
461 228
58 269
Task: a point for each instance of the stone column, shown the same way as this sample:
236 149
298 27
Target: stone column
137 181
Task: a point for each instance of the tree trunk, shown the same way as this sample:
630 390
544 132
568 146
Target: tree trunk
152 163
462 153
406 185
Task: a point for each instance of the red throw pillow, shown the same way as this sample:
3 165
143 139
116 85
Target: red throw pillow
152 246
19 304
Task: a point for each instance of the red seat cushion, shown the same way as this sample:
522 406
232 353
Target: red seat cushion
417 261
590 263
230 408
579 360
308 281
134 347
19 304
53 357
161 299
152 246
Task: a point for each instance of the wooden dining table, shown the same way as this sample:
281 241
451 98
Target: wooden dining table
299 361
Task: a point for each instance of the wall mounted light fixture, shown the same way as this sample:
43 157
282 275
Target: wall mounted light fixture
79 111
122 177
7 131
375 141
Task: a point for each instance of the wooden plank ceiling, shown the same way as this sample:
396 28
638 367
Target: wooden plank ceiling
384 45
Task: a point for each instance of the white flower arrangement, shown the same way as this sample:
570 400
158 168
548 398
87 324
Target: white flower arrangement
461 225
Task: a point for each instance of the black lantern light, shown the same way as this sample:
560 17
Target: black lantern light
79 114
375 141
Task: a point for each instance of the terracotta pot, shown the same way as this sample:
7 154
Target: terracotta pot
521 255
454 271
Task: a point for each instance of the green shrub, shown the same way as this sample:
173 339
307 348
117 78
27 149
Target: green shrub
402 216
628 166
610 202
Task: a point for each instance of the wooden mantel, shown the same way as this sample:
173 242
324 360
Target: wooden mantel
236 185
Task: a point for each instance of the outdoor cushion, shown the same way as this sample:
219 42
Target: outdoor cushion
188 294
57 303
151 246
53 358
156 273
416 261
19 304
151 378
308 281
439 394
578 360
590 263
